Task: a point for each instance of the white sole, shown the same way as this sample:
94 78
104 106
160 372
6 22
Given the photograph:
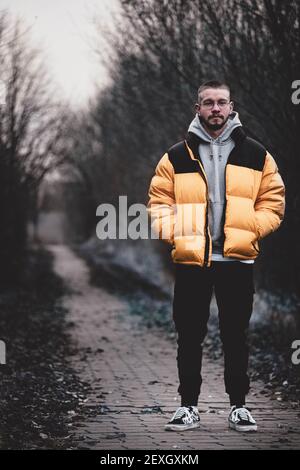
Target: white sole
181 427
236 427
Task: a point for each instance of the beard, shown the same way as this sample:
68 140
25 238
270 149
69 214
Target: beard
214 127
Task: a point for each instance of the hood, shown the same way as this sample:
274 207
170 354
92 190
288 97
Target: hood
197 128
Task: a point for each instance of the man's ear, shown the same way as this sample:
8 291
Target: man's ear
197 107
231 105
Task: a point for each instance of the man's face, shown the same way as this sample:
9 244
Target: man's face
214 107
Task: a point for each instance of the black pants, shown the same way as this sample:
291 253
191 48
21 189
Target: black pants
234 289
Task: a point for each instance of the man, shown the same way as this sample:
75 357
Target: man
213 197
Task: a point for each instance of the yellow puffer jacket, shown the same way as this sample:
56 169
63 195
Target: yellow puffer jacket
178 204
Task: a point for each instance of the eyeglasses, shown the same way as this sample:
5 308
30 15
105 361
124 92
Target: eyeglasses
210 104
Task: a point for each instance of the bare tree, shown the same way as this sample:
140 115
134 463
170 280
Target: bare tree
31 134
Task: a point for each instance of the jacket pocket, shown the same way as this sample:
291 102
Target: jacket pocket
188 249
256 226
256 246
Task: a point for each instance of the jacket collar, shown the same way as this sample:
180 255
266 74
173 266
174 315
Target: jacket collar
193 141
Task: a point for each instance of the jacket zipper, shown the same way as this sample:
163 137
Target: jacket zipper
206 248
225 206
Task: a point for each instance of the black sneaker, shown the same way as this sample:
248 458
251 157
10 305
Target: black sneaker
185 417
240 419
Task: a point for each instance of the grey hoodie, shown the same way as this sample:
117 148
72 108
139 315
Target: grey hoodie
214 155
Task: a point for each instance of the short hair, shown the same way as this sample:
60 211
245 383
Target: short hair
212 84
